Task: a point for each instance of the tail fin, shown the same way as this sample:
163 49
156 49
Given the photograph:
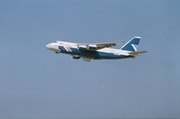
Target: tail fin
132 44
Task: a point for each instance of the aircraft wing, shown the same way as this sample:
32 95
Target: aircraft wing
106 45
98 45
137 53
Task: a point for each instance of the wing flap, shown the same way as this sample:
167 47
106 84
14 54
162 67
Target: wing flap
86 59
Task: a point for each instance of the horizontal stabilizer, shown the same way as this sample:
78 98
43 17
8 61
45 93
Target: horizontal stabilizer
136 53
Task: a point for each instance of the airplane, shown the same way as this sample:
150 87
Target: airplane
97 51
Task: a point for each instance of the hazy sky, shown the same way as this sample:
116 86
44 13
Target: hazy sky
37 83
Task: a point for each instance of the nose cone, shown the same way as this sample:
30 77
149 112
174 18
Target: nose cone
48 46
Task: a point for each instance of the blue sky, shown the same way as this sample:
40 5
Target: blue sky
37 83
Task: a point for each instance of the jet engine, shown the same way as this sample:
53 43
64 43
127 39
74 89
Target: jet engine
88 47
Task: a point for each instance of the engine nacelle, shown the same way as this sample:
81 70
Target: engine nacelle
92 47
88 47
76 57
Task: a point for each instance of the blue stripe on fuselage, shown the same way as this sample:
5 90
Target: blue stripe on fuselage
82 52
91 54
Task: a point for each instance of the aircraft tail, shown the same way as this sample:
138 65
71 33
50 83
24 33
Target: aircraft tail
132 45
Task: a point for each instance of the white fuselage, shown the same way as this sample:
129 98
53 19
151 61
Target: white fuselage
77 50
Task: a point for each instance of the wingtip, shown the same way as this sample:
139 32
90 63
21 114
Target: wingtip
120 42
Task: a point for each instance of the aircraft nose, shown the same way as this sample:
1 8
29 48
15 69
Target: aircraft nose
48 46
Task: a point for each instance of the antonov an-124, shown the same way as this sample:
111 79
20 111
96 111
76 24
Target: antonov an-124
97 51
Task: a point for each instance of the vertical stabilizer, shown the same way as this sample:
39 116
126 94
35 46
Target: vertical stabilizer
132 45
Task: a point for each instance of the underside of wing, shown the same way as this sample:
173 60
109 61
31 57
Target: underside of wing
98 45
137 53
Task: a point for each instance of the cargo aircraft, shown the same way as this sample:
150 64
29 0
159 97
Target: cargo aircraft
97 51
